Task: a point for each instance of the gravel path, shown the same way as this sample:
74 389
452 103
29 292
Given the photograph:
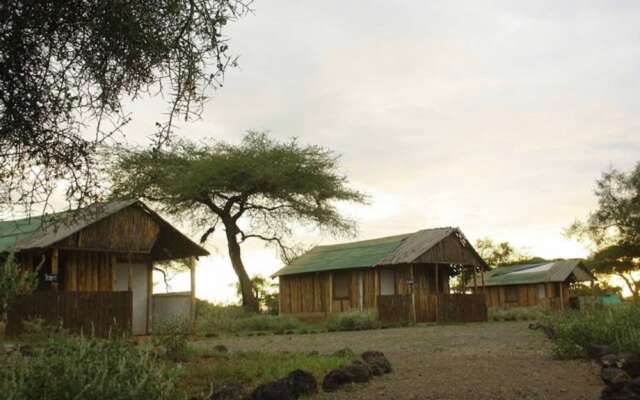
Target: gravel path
498 360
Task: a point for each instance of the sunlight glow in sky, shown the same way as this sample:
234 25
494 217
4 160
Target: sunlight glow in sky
494 117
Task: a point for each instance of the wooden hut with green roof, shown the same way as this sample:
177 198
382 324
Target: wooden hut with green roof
359 275
545 284
94 264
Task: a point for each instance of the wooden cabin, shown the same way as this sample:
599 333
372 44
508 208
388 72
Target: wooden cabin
104 248
354 276
543 284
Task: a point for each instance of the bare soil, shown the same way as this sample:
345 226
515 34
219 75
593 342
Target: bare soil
495 360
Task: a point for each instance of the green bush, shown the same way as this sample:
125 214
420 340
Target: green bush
170 336
353 321
214 319
517 314
85 368
617 326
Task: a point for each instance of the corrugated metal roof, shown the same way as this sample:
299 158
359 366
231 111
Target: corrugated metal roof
42 232
554 271
399 249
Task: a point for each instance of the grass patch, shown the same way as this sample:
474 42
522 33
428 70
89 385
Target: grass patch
212 320
74 367
617 326
353 321
517 314
251 369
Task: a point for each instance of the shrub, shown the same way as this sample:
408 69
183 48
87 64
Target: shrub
353 321
517 314
14 281
85 369
170 334
618 326
214 319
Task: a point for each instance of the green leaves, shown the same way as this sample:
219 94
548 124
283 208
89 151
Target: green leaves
272 184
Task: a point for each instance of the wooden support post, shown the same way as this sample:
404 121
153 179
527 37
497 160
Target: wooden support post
130 273
330 292
361 291
482 276
149 296
376 286
413 291
280 295
464 283
193 294
475 280
54 268
560 286
437 281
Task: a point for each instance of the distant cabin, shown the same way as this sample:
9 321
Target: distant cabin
543 284
95 264
354 276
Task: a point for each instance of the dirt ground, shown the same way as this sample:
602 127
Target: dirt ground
497 360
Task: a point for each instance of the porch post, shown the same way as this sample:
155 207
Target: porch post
330 292
192 271
437 281
482 277
376 287
464 284
413 292
361 291
54 268
130 272
475 280
561 287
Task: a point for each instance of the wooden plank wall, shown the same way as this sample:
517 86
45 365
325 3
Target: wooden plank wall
129 230
86 271
527 296
100 313
462 308
395 308
311 293
449 250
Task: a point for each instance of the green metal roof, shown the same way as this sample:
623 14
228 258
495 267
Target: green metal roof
13 231
343 256
549 271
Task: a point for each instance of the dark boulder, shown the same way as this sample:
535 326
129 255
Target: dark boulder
597 351
220 348
361 373
609 360
228 391
276 390
297 383
377 359
336 378
630 363
614 377
302 383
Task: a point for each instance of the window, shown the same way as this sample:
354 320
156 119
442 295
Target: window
511 294
341 285
387 282
542 291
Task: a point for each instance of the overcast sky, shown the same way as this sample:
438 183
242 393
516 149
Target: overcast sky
494 117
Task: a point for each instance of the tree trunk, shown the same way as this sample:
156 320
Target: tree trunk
631 284
249 300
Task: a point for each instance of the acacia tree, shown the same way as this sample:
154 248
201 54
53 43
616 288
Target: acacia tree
614 227
68 65
259 189
502 253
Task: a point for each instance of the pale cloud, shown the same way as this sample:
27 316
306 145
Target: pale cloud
493 116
